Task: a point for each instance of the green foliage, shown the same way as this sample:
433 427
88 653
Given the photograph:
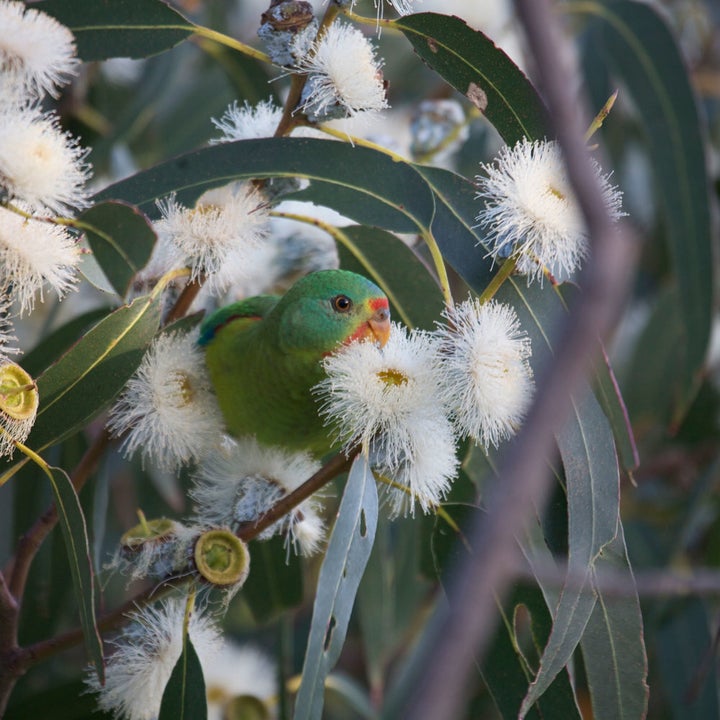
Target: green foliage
572 632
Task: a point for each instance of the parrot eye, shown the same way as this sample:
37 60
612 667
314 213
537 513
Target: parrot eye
341 303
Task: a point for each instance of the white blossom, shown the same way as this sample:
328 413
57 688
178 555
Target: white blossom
41 165
237 672
487 379
144 655
168 409
344 76
243 479
247 122
387 400
37 53
530 211
34 254
217 236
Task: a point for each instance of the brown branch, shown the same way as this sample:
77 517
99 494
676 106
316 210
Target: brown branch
185 300
461 628
43 649
338 464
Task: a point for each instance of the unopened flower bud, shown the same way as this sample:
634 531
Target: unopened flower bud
288 28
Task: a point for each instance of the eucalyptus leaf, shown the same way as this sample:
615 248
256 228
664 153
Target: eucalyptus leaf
613 646
342 569
119 28
642 53
371 177
472 63
93 371
74 529
184 697
121 239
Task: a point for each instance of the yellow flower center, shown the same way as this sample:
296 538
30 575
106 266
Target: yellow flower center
393 377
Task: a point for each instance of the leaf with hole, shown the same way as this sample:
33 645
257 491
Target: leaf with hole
342 569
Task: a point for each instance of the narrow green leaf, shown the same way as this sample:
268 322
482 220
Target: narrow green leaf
184 697
74 529
643 54
342 569
51 346
478 69
506 672
415 297
613 646
121 239
371 177
275 583
93 371
119 28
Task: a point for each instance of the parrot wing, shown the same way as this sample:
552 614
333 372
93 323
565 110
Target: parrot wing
250 311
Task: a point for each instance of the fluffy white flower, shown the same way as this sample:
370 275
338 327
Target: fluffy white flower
487 379
34 254
37 53
387 400
216 237
238 673
344 76
144 656
40 164
530 211
243 479
168 409
247 122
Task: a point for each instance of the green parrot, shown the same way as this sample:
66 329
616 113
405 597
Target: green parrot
264 354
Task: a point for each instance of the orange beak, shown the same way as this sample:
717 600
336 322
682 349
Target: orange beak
379 325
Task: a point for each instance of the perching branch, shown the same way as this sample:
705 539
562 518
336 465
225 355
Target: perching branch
463 627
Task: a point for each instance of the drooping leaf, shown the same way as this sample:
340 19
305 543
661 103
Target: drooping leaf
342 569
74 529
415 297
371 177
506 672
184 697
641 51
478 69
119 28
121 239
613 646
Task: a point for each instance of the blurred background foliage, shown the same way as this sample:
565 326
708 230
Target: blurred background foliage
662 139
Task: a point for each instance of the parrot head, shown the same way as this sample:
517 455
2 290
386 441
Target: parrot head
331 307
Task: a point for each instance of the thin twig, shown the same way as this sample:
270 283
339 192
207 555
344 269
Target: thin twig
39 651
462 628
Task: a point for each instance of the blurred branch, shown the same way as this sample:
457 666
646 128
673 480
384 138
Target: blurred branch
462 628
620 583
